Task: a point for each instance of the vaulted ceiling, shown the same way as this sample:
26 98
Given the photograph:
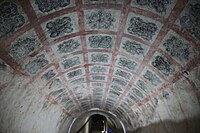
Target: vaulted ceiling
121 56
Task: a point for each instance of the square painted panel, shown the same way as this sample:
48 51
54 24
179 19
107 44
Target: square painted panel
163 64
96 89
97 69
49 74
137 92
77 81
122 74
114 93
151 77
97 99
24 45
67 46
98 78
126 63
53 85
100 41
162 7
75 73
116 88
129 102
57 93
61 26
101 19
64 98
12 17
37 63
102 1
142 27
133 48
131 97
100 57
65 101
79 88
189 18
44 7
110 100
178 48
119 82
82 94
71 62
97 96
144 86
98 84
109 105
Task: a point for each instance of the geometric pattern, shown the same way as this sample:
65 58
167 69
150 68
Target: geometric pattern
115 55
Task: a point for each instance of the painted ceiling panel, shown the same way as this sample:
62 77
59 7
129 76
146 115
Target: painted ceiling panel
123 56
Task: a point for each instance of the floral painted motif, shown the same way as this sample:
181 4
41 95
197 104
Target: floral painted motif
64 98
102 42
163 65
100 84
123 74
56 83
98 77
10 18
99 69
143 86
133 48
56 93
68 46
37 63
152 78
159 6
59 27
178 49
115 93
100 19
97 89
49 5
48 75
79 80
137 92
116 88
140 28
71 62
119 82
23 47
129 102
191 21
100 58
124 62
130 96
75 73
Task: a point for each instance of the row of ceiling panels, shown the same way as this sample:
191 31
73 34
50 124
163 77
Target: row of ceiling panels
114 54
